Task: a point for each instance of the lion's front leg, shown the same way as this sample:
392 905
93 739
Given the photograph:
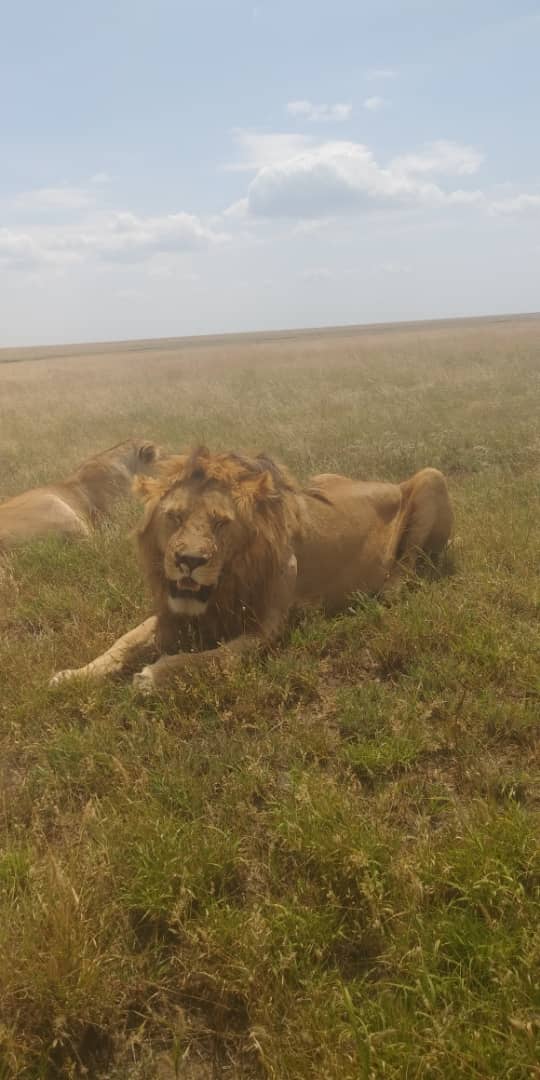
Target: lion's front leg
164 672
129 650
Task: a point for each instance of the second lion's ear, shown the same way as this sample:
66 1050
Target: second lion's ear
149 452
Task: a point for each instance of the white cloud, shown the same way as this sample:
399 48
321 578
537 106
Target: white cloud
23 250
376 74
237 211
320 113
441 156
296 177
331 178
318 181
54 198
373 104
126 237
256 150
17 249
119 237
516 204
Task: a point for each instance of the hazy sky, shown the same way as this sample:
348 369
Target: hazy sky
173 167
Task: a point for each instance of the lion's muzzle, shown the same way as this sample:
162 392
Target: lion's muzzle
188 589
188 597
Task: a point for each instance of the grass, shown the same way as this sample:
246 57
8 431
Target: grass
327 864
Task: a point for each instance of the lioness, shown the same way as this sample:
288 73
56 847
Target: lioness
72 506
230 543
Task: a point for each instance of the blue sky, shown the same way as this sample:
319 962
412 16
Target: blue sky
180 167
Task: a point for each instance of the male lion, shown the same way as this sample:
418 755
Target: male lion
72 506
230 543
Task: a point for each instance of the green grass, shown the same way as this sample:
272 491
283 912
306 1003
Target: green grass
326 865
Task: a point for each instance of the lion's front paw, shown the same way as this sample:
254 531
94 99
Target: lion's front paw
144 681
63 676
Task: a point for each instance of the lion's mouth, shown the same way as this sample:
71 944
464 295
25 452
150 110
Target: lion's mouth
188 589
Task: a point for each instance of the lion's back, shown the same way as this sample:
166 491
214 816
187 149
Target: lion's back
36 513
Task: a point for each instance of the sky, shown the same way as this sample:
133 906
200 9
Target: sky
175 167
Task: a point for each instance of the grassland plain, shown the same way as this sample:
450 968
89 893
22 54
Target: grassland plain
324 866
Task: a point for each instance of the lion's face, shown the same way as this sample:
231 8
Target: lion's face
212 520
197 533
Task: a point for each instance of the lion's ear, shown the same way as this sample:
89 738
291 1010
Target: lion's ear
265 487
258 489
148 452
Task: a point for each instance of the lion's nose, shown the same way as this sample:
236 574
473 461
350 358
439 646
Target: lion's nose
191 561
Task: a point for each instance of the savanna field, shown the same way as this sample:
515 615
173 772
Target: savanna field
328 864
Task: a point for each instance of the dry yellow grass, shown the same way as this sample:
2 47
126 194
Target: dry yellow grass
335 397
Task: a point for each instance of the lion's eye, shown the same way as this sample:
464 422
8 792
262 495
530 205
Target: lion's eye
219 522
175 517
